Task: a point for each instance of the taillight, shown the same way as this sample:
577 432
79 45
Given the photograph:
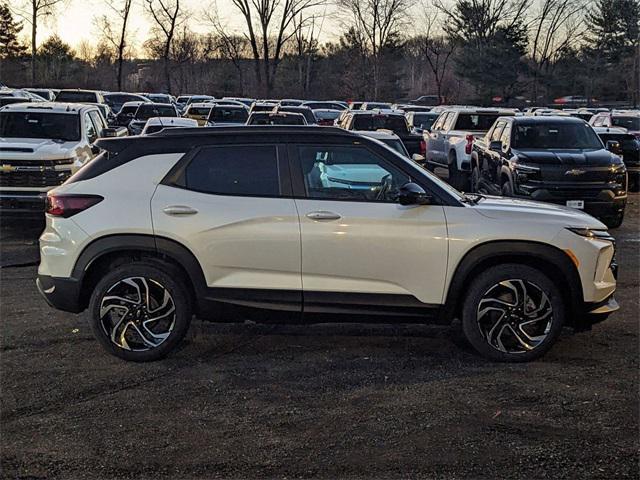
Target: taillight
66 206
469 146
423 147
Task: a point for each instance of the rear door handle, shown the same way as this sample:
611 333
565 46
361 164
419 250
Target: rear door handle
179 210
323 215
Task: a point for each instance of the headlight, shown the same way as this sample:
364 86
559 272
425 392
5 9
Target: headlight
592 233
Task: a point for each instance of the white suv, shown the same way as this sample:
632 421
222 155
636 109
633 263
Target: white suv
310 224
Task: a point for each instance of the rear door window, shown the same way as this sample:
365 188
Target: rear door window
244 170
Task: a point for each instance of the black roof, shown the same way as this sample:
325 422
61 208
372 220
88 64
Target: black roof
182 139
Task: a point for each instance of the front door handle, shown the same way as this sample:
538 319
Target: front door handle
323 215
179 210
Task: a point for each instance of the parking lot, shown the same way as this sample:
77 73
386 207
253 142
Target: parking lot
323 401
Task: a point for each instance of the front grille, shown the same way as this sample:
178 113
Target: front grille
36 163
16 149
575 194
34 173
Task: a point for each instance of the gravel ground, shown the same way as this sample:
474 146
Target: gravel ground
322 401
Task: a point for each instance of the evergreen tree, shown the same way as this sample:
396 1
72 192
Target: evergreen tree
10 47
613 27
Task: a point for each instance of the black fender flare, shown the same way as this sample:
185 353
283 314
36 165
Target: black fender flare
536 254
148 244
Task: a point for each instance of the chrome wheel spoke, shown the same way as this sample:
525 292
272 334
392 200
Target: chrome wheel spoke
137 314
515 316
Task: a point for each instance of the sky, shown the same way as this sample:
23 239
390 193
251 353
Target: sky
74 21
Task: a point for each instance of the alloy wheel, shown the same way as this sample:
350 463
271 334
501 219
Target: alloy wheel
515 316
137 314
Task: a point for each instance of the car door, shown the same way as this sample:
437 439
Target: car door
231 206
494 158
359 245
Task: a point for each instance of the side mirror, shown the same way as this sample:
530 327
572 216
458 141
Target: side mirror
108 132
95 149
416 157
413 194
495 145
614 147
418 130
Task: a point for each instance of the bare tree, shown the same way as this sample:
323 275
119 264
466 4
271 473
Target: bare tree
115 32
436 49
32 11
556 27
377 21
269 25
306 45
167 16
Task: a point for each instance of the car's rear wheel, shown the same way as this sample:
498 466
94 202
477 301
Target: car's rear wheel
475 179
507 190
513 313
140 311
457 179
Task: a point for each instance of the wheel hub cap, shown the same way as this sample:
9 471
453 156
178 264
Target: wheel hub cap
514 316
137 314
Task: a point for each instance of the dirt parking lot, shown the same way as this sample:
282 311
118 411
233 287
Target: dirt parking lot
324 401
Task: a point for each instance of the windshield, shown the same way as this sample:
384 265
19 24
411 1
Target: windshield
199 111
424 120
128 109
273 119
326 115
159 98
474 121
145 112
55 126
76 97
556 136
395 123
397 145
630 123
228 115
371 106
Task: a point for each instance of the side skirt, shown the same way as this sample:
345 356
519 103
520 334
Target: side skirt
290 306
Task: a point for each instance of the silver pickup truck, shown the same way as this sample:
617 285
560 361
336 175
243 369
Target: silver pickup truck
41 145
450 141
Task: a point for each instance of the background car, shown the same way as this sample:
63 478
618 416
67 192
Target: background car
276 118
227 115
156 124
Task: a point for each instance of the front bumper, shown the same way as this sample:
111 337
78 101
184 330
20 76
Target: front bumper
601 203
595 313
21 202
60 293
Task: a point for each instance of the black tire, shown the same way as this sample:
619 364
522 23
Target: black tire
506 189
158 279
487 330
457 179
614 221
475 179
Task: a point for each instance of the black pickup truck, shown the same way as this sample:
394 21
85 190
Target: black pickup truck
552 159
372 120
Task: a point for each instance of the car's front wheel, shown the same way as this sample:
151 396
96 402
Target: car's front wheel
513 313
140 311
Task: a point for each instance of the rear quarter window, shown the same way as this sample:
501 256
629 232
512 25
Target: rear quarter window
234 170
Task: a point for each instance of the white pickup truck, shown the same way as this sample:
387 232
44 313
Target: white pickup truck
41 145
450 142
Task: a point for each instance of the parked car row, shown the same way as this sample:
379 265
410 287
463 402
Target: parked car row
463 140
265 209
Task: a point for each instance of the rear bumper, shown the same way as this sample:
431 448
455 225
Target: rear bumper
60 293
22 202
